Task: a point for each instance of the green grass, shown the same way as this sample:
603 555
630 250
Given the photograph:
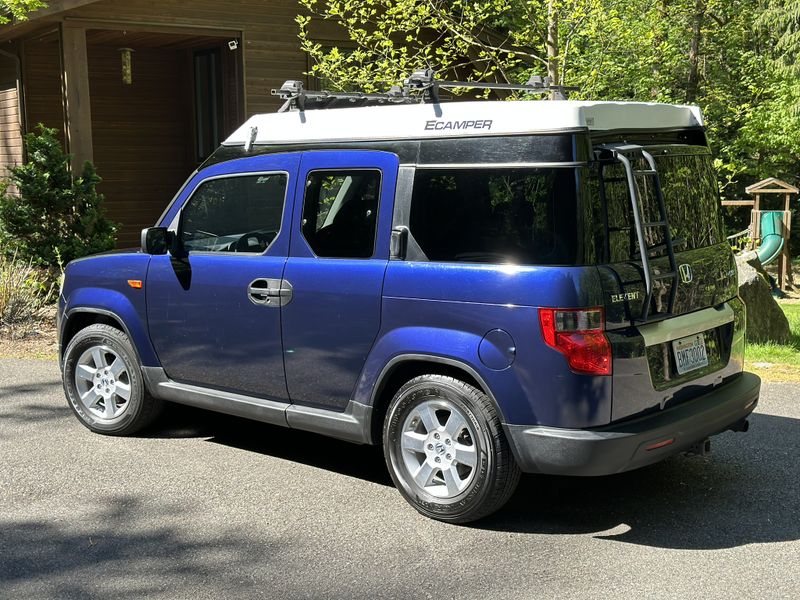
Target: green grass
783 358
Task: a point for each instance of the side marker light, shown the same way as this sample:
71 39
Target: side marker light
661 444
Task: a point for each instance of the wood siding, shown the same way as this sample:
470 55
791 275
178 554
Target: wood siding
142 134
10 127
271 48
42 81
146 153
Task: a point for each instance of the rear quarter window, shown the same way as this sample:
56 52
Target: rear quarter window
498 216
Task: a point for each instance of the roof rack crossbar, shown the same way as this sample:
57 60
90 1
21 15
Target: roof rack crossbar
417 88
559 90
297 97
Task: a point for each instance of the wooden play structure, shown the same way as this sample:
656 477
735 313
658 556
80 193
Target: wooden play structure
770 230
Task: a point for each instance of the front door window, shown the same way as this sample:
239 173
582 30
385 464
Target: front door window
235 214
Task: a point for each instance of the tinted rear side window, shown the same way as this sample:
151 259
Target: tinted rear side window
518 216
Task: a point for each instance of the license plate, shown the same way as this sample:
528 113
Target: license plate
690 353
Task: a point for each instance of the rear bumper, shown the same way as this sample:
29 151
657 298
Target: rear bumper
623 446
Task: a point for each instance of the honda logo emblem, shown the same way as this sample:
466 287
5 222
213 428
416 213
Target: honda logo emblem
686 273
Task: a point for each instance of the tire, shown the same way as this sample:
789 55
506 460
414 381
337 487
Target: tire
113 399
446 450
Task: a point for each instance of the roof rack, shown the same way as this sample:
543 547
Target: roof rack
420 87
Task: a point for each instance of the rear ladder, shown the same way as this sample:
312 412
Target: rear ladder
627 155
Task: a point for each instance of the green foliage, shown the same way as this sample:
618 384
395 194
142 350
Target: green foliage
483 40
391 38
783 18
780 355
18 9
23 293
55 218
781 21
704 52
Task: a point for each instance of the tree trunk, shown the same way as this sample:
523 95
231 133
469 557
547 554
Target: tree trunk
552 44
693 83
658 39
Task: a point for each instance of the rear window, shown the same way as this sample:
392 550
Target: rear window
691 197
517 216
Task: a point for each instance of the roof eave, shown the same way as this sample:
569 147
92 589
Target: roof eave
51 13
772 185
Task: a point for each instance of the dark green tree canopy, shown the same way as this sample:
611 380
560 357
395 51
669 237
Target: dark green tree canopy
782 19
705 52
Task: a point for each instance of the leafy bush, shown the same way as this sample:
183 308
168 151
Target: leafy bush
24 293
53 213
18 9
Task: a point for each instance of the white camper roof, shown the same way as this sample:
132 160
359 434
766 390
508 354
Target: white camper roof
460 119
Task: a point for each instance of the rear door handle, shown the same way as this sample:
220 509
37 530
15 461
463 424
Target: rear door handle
271 293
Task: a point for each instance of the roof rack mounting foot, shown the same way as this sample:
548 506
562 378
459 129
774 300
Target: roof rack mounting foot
423 80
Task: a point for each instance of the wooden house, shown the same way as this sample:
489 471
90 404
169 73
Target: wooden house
145 89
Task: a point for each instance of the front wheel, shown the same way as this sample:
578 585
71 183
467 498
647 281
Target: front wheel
103 382
446 451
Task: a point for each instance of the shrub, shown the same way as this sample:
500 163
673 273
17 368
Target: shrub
54 214
24 293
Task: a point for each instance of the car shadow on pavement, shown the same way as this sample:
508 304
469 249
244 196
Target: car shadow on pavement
746 492
21 404
40 388
361 462
35 413
120 548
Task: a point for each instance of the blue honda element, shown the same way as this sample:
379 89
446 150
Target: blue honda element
481 288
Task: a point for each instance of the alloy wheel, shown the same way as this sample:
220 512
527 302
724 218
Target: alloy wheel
439 449
103 383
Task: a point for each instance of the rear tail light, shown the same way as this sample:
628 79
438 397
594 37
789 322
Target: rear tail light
578 335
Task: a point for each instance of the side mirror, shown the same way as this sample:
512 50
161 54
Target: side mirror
398 247
155 240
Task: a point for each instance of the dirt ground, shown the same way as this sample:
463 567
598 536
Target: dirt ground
31 341
792 295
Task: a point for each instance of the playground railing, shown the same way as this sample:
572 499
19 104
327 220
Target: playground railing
740 241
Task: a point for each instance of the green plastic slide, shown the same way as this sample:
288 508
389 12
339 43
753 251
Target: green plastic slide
771 239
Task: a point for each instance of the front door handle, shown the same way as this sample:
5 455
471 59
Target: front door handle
271 293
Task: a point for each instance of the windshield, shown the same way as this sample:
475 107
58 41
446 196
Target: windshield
691 197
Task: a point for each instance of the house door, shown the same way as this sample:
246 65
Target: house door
148 119
218 106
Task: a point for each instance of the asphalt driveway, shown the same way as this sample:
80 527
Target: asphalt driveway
209 506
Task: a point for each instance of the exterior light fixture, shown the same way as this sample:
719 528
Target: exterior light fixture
127 68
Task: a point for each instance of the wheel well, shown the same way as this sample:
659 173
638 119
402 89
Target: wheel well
401 374
82 320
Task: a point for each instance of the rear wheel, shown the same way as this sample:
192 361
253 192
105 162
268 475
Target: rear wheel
446 450
104 385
